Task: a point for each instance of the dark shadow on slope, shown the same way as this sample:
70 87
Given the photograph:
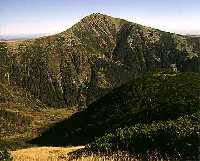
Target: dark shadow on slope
144 100
122 51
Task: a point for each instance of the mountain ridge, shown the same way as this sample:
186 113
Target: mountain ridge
99 53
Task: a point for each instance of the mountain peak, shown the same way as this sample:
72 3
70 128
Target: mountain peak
105 19
97 14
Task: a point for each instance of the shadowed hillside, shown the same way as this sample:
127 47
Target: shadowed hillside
148 99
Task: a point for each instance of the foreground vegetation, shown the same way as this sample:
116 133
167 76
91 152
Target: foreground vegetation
122 156
179 137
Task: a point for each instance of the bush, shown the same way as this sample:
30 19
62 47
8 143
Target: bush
180 136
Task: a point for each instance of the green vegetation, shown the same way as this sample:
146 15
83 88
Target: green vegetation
152 112
179 137
168 123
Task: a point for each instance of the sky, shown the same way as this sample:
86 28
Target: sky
53 16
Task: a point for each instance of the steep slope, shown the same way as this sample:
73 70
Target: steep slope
83 63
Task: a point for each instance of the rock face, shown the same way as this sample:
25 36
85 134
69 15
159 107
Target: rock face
79 65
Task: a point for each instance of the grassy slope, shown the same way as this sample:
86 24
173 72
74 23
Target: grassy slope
22 117
20 126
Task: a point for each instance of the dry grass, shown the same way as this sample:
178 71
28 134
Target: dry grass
61 154
43 154
64 154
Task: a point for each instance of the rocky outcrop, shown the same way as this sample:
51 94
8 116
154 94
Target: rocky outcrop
79 65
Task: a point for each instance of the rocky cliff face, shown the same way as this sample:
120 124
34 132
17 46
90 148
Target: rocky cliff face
79 65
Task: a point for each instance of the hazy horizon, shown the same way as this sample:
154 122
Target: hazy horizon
48 17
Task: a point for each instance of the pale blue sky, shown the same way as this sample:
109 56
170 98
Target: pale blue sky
51 16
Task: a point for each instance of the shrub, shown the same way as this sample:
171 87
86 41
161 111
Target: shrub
180 136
